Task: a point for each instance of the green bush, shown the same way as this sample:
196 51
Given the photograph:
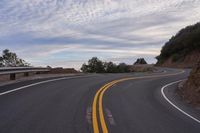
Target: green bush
175 57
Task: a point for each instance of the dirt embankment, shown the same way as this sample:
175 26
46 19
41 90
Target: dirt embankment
142 68
191 89
61 70
188 62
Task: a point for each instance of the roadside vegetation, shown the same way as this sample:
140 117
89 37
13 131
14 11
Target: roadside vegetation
95 65
10 59
179 46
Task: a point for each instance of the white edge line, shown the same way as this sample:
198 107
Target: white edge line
163 94
34 84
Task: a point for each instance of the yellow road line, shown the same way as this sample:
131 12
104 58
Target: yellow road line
94 110
100 94
101 115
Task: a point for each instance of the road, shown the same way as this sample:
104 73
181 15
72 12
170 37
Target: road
116 103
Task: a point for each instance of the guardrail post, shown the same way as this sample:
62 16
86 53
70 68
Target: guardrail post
12 76
26 74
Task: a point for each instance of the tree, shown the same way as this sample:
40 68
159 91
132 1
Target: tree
140 61
110 67
122 68
10 59
94 66
1 62
85 68
97 66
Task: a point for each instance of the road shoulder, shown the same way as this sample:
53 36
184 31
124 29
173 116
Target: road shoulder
169 92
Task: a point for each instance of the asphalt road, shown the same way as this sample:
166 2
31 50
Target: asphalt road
68 105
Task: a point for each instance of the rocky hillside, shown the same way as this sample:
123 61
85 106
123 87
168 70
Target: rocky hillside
191 89
183 49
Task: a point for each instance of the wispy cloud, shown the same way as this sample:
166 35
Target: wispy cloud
59 32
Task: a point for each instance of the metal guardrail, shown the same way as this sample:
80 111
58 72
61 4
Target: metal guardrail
12 71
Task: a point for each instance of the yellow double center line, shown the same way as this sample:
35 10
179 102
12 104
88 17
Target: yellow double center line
98 100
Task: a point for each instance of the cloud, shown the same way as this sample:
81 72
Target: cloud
55 31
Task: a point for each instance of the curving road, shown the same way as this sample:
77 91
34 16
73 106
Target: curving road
116 103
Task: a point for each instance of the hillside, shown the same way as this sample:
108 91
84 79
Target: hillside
191 89
183 49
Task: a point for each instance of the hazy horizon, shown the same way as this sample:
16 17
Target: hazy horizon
67 33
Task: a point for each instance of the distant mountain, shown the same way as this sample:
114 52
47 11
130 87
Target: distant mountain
183 49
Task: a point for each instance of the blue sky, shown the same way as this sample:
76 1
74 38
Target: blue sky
68 32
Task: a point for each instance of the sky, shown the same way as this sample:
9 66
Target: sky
67 33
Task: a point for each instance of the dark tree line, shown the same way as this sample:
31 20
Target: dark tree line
10 59
184 42
95 65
